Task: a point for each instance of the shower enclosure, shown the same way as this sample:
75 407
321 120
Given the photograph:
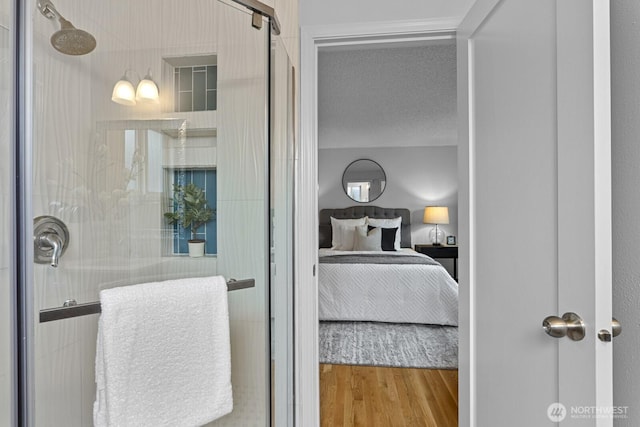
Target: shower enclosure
90 169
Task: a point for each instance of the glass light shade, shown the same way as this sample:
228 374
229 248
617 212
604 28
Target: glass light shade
123 92
147 91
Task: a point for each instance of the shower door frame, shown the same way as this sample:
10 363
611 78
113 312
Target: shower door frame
23 255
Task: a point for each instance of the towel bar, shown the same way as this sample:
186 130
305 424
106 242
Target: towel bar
77 310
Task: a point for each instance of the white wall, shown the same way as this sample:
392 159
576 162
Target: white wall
328 12
416 177
625 52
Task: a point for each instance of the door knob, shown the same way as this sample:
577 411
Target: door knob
569 325
616 327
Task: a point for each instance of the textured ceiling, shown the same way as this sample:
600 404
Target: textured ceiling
381 97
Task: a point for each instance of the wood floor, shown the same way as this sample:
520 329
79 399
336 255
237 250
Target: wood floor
374 396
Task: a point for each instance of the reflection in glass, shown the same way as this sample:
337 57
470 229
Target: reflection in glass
364 180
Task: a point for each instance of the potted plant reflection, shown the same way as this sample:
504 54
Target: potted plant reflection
190 211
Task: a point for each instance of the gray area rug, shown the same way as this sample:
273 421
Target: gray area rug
389 344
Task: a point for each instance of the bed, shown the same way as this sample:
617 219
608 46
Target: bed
399 286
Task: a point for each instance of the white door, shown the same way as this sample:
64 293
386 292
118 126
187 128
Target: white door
535 161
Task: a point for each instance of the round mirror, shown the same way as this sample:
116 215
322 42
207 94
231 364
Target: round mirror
364 180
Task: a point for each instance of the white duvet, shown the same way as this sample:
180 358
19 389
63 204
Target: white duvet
400 293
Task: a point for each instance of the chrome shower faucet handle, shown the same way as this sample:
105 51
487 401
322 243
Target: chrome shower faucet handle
50 240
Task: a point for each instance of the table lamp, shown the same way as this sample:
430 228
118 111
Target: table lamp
436 215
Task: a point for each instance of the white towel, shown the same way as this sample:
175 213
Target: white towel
163 354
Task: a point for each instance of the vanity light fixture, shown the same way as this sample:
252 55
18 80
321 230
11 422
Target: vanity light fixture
147 91
125 94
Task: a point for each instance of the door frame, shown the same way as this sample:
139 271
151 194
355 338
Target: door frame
312 38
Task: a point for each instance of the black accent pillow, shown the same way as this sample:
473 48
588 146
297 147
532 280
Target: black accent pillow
389 239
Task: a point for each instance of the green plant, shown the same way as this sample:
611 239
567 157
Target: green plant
190 208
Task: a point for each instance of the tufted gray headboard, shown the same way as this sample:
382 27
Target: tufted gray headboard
362 211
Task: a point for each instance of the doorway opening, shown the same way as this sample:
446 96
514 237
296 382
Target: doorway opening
375 100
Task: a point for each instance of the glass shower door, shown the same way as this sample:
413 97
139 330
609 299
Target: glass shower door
105 166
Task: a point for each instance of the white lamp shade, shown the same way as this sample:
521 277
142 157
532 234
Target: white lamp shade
147 91
436 215
123 92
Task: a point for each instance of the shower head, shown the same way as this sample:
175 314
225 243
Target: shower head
72 41
68 40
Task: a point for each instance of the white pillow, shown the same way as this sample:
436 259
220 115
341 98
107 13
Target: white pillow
389 223
367 240
336 232
347 237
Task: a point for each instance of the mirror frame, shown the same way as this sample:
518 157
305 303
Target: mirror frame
344 184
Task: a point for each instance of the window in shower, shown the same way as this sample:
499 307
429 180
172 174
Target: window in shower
206 179
196 88
195 83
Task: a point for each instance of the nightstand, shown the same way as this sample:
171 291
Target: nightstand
441 252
